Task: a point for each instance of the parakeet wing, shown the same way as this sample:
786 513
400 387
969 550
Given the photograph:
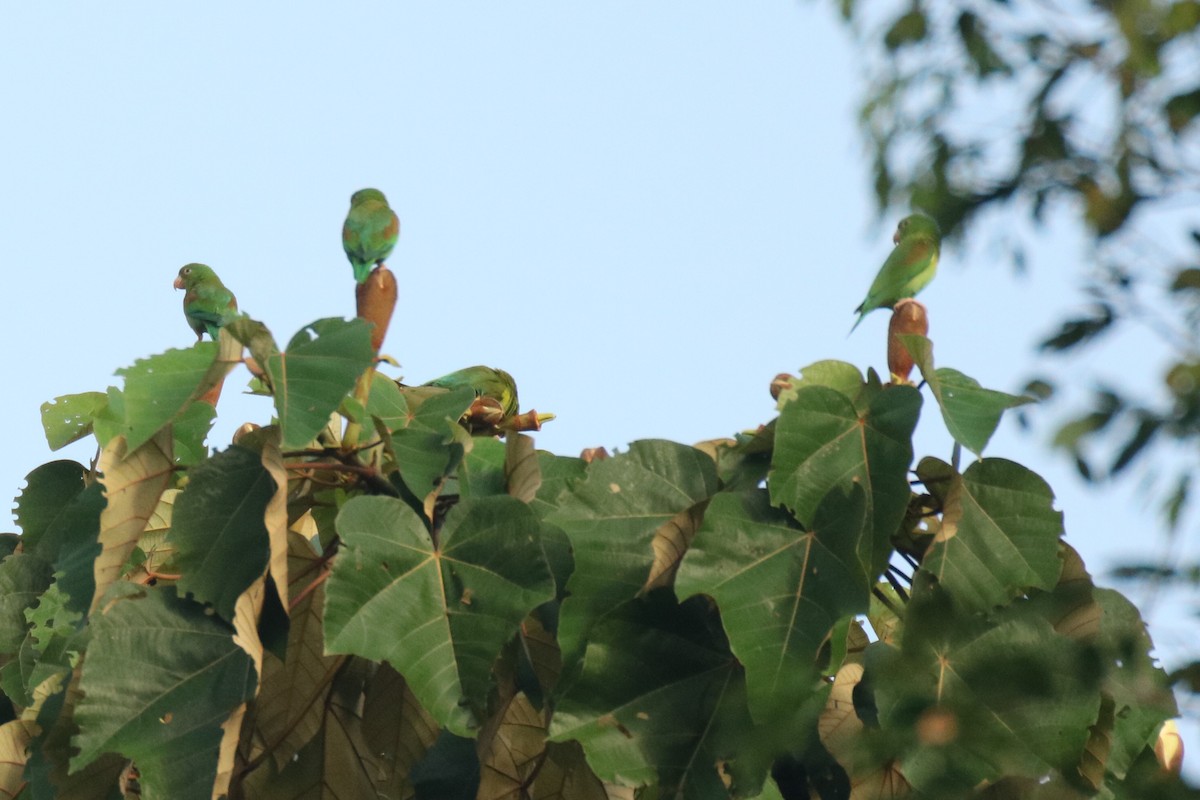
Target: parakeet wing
908 269
487 382
207 303
903 274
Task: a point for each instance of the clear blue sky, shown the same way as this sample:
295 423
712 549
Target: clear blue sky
642 211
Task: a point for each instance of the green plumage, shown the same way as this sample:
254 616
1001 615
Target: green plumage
370 231
207 304
487 382
909 267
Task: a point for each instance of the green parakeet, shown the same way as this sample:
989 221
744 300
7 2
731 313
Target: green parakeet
487 382
207 304
909 267
370 231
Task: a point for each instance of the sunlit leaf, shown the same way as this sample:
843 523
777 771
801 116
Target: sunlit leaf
68 418
160 388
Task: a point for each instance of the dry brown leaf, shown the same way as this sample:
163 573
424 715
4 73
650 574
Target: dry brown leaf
509 747
883 783
292 694
275 519
133 483
521 471
839 725
231 730
397 729
670 544
544 654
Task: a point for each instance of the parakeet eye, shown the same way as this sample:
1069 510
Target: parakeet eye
187 270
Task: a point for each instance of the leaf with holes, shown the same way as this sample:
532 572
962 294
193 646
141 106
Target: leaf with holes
160 678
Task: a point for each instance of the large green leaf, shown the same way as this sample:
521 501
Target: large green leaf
659 701
159 388
999 535
611 518
970 411
218 528
320 366
68 418
440 615
160 677
823 443
968 698
780 589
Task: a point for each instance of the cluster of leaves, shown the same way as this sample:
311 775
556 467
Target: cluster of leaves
424 613
1090 109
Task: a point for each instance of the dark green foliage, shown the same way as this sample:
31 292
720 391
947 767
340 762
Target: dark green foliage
467 617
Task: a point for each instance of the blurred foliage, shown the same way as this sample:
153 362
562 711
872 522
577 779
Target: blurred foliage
1084 111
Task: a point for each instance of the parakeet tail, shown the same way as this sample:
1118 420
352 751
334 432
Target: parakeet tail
361 271
861 316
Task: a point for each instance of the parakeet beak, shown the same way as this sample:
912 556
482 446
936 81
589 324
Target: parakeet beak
895 240
178 282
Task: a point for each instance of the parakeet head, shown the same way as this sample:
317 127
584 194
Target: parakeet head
916 225
362 195
192 274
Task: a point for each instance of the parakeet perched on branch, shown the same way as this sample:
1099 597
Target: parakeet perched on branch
487 382
207 304
370 231
909 267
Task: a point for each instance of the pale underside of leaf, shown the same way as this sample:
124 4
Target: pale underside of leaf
275 518
133 483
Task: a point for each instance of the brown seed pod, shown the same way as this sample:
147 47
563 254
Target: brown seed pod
591 454
781 382
908 317
376 299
